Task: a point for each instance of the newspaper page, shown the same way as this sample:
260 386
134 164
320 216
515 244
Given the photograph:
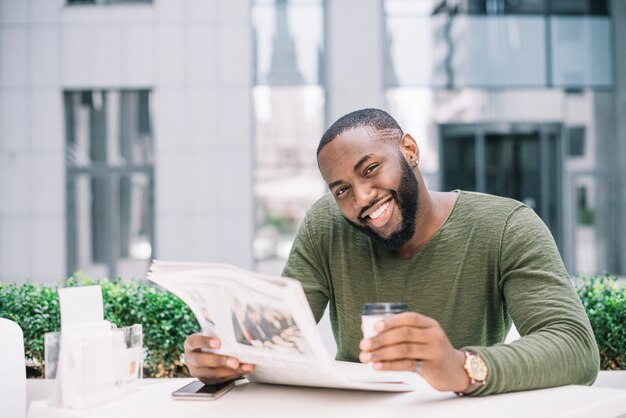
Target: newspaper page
267 321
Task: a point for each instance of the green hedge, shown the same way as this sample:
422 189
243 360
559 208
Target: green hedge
604 299
165 318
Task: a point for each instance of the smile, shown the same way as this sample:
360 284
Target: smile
378 212
381 215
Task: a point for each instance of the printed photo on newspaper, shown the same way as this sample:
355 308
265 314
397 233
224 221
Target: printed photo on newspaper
267 321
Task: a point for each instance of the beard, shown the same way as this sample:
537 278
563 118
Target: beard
406 199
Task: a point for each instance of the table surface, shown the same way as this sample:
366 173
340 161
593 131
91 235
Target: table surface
258 400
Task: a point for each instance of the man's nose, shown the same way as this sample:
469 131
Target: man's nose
363 195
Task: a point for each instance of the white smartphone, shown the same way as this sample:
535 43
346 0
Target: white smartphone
199 391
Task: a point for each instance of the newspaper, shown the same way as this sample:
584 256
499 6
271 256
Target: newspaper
267 321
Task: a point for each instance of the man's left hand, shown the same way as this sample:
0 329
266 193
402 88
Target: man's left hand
409 337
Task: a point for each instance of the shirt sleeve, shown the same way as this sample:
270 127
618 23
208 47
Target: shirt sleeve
557 345
305 265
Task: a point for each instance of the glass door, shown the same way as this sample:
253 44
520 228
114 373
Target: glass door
519 161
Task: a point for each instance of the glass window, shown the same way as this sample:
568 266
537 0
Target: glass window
454 50
525 6
289 116
483 7
576 141
109 154
459 169
512 167
499 93
461 51
74 2
581 51
589 203
516 161
580 7
289 42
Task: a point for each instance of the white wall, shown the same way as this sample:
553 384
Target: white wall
195 55
203 125
31 142
354 57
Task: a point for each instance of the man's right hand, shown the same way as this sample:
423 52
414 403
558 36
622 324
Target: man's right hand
211 368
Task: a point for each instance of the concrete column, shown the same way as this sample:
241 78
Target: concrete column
607 201
204 119
354 56
618 12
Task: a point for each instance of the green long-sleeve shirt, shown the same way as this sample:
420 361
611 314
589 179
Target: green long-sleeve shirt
493 262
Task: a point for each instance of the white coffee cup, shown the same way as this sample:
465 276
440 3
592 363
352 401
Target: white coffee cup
374 312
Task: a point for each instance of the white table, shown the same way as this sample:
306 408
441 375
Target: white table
258 400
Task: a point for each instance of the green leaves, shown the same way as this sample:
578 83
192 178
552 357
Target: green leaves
165 318
604 299
35 308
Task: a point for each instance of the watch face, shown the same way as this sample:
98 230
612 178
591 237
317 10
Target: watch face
478 368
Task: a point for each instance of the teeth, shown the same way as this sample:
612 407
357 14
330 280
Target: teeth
378 212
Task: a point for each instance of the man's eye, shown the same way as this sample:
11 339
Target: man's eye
340 191
369 169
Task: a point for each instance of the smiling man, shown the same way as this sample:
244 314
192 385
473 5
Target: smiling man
466 264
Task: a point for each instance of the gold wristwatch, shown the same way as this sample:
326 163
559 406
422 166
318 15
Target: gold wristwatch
476 370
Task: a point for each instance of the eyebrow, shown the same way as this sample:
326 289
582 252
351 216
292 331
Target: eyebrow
357 166
362 161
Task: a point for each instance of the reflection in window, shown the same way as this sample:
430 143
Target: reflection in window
489 100
491 7
289 41
109 153
73 2
445 44
289 112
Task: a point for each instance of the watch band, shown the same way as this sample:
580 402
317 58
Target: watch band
470 388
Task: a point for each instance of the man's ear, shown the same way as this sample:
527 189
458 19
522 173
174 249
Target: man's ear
410 150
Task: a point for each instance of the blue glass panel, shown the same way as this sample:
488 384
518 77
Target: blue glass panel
581 51
499 51
461 51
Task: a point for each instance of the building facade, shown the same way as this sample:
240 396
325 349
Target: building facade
186 129
126 133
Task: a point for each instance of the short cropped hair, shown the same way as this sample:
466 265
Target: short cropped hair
378 120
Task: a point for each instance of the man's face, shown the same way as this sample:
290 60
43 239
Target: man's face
373 185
